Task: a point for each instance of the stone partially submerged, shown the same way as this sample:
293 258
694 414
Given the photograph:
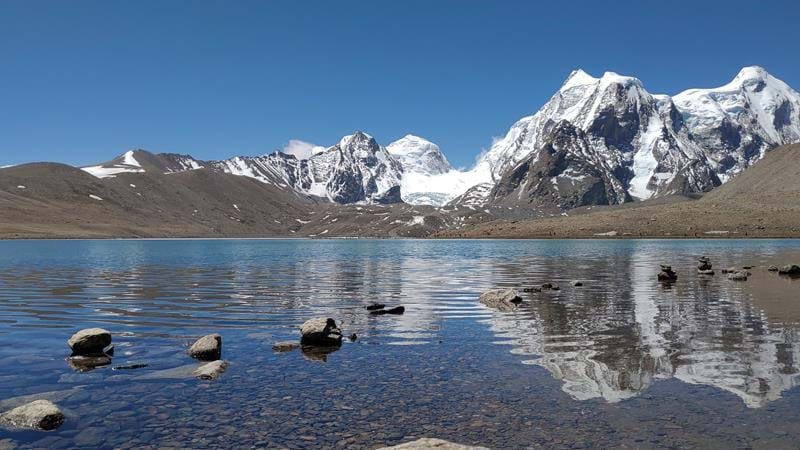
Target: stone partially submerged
207 348
789 269
89 342
211 371
667 274
432 444
36 415
502 299
320 331
739 275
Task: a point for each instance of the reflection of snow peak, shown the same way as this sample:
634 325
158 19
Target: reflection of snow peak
619 354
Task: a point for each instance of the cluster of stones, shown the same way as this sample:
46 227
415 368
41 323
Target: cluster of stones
92 348
704 266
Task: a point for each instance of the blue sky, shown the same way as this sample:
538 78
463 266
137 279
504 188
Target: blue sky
82 81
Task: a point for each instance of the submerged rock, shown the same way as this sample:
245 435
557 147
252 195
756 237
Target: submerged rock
283 347
705 272
87 363
532 289
730 270
395 310
738 275
207 348
36 415
502 299
91 341
320 331
432 444
211 371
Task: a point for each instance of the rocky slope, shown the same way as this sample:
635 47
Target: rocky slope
142 198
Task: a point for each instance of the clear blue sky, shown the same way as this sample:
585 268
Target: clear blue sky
82 81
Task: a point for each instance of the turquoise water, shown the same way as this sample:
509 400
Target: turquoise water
620 361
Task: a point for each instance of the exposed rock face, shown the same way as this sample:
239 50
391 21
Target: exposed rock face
37 415
321 332
207 348
212 370
432 444
502 299
91 341
567 172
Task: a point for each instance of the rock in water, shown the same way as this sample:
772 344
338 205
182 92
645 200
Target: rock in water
532 289
36 415
375 306
320 331
207 348
738 276
211 371
704 266
577 283
502 299
396 310
773 269
730 270
432 444
91 341
789 269
667 274
282 347
551 286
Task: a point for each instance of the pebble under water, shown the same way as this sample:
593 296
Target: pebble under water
622 361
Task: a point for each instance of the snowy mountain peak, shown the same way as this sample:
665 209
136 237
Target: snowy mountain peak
419 155
752 73
578 77
358 138
623 80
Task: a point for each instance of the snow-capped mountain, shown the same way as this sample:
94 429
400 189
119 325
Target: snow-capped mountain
654 145
356 169
428 178
140 161
419 156
596 141
736 123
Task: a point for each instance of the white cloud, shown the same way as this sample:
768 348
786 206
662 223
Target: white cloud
302 149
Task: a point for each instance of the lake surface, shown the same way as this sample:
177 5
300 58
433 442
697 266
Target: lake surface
623 361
